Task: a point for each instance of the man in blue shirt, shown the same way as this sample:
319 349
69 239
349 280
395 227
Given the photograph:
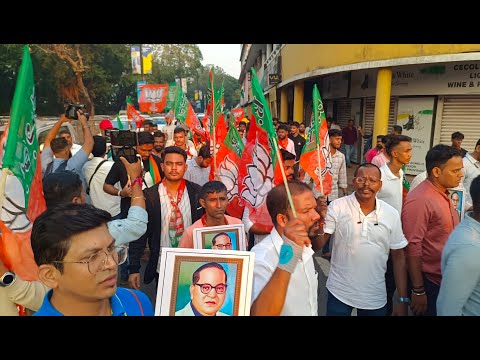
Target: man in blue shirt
460 287
78 259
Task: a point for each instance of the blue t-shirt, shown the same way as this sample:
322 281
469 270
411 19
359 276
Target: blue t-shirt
123 303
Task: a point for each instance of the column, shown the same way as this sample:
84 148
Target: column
382 102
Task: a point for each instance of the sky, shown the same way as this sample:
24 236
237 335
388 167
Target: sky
227 56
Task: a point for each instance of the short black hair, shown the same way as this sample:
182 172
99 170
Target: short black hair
158 134
99 146
398 129
179 130
457 136
61 187
58 144
277 200
147 122
52 231
478 143
211 187
394 140
144 137
475 194
204 152
214 239
174 150
367 165
334 133
196 274
287 155
64 131
439 155
283 127
295 123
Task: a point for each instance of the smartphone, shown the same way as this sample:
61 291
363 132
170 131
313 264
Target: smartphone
129 153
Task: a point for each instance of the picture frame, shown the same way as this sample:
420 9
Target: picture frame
194 282
457 196
204 237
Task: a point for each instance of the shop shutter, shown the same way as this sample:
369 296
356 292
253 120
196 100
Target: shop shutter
370 114
461 113
344 111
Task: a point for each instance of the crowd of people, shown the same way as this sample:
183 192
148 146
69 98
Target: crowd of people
392 246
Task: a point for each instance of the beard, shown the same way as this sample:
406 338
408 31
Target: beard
312 233
379 147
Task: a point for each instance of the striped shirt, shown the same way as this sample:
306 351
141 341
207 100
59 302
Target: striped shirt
195 173
166 210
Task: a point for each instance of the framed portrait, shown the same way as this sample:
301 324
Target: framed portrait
457 196
204 282
227 237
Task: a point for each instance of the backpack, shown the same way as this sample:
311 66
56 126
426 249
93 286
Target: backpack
61 167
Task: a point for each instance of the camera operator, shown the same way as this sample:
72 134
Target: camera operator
59 148
152 173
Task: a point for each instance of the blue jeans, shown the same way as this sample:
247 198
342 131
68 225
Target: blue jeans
349 150
337 308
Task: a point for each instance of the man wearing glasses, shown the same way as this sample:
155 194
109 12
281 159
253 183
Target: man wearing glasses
78 260
207 292
222 242
366 230
214 199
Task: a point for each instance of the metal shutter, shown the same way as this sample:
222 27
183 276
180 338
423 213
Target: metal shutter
344 111
461 113
370 114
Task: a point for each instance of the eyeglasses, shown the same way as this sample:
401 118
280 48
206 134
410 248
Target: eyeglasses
224 246
206 288
97 262
363 180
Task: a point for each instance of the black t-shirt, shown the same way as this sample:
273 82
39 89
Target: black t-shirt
299 142
118 173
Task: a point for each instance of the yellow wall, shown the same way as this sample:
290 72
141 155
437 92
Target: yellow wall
301 58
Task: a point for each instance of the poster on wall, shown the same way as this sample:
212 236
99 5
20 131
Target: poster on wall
415 116
136 65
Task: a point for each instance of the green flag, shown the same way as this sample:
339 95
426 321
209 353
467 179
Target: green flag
262 114
172 89
119 123
181 105
21 149
234 142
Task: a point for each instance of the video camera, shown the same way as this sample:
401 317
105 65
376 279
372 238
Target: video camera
71 111
123 142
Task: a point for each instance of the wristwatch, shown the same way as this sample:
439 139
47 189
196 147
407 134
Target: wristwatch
404 300
7 279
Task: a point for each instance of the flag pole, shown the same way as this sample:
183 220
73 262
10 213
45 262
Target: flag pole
320 168
279 156
214 131
3 183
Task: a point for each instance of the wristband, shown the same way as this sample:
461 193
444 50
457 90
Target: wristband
404 300
290 254
139 180
119 192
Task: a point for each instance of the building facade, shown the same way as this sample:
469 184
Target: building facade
430 90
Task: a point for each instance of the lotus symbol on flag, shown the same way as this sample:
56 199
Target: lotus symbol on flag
228 173
153 96
260 177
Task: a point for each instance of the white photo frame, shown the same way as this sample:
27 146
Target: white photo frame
177 295
203 237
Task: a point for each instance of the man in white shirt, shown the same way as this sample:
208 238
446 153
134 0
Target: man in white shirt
471 169
170 127
366 230
180 140
284 278
198 168
95 171
399 149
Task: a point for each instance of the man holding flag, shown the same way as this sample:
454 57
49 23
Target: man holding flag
21 171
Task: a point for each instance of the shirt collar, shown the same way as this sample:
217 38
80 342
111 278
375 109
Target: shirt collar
356 204
117 307
391 176
278 242
472 159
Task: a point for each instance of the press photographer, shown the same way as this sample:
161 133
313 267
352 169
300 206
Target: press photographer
56 154
152 173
